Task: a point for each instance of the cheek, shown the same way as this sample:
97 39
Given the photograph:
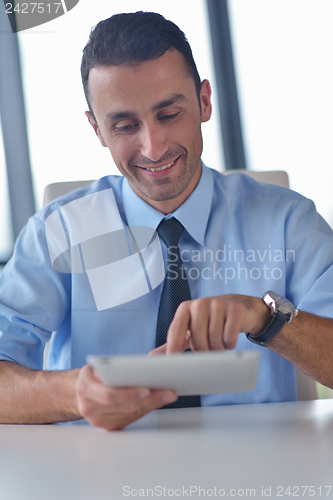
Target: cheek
122 149
189 135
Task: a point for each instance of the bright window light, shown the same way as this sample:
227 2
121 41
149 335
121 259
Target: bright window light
283 54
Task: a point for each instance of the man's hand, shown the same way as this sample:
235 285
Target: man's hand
114 408
214 323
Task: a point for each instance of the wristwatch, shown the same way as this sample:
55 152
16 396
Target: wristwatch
282 311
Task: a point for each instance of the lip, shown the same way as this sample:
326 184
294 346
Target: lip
161 173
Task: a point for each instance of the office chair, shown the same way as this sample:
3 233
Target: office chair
306 386
56 189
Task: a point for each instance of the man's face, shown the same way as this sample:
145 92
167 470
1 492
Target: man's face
148 115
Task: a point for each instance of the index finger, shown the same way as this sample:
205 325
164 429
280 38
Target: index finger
177 333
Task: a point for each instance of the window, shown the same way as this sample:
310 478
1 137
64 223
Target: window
6 240
283 54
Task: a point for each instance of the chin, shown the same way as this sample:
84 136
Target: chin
164 194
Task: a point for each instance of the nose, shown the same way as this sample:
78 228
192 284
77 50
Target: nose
153 142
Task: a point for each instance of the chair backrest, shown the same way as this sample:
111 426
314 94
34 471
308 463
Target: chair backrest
272 176
306 386
57 189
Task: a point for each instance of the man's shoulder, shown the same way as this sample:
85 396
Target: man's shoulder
241 184
249 198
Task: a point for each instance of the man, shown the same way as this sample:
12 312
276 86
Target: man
146 104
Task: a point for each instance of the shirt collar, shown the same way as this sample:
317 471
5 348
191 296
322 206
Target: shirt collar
193 214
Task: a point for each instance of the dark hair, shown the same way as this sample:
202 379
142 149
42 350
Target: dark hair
134 38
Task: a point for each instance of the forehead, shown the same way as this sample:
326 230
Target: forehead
131 85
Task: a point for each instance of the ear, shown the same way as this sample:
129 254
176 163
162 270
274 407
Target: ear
205 99
94 125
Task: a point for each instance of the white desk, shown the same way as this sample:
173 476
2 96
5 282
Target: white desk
231 448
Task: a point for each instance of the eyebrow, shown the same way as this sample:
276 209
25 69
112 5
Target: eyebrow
173 99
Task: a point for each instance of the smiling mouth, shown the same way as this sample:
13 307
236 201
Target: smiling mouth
158 169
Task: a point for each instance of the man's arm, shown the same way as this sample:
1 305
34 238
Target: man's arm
308 343
41 397
35 396
215 323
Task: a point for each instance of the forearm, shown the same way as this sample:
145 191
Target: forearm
308 343
36 397
215 323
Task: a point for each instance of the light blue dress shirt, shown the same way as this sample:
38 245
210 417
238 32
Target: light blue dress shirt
241 237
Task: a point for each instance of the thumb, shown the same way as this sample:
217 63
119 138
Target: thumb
162 349
158 350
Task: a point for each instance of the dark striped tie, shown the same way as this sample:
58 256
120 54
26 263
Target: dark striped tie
175 290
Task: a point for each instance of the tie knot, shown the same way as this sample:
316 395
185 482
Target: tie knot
170 231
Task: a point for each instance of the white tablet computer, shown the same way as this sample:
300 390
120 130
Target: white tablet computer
187 374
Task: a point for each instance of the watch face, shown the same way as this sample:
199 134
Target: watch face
278 303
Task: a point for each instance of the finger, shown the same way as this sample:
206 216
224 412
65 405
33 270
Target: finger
158 399
199 322
126 399
187 341
91 390
158 350
89 387
114 408
216 325
163 348
233 325
178 328
136 408
116 418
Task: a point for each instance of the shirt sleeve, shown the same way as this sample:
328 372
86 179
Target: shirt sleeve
309 260
34 298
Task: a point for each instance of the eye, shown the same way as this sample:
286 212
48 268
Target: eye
125 128
169 117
